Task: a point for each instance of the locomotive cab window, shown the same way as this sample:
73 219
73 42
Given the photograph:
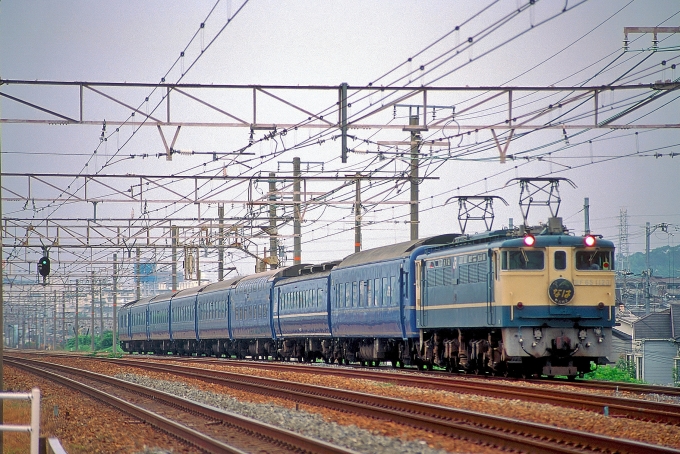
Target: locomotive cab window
594 260
522 259
560 260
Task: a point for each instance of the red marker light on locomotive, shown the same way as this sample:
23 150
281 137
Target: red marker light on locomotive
529 239
589 240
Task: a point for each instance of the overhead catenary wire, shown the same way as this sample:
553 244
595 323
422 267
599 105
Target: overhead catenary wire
310 144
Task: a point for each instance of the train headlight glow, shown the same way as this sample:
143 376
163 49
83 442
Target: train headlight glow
529 239
589 240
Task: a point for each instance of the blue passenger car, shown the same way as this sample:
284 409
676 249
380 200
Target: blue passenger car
139 319
183 323
214 331
301 306
251 306
373 299
371 291
159 317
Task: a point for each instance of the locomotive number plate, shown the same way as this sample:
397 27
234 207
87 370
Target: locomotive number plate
592 282
561 291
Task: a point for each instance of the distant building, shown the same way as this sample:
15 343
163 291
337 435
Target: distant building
655 346
622 334
631 291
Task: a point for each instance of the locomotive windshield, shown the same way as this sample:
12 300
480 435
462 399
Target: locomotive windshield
522 259
594 260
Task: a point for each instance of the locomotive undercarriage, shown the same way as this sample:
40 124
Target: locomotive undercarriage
464 351
484 352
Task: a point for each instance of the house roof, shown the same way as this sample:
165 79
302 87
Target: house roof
675 320
656 325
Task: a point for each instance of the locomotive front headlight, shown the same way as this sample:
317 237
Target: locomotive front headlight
589 240
529 239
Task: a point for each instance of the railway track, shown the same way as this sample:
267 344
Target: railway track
620 387
195 424
506 433
666 413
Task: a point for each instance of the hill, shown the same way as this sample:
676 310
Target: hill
664 262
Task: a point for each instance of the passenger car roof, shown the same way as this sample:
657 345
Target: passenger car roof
393 251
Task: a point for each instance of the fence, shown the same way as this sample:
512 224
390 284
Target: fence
34 428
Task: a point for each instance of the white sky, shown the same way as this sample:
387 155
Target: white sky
327 43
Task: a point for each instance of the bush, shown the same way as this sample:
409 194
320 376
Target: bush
104 342
623 371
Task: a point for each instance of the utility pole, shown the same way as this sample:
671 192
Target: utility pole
101 312
115 303
43 324
175 240
220 248
138 277
63 318
648 232
92 312
622 259
414 120
273 231
54 322
23 327
586 215
76 327
297 233
357 214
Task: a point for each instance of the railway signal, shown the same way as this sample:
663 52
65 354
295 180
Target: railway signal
44 266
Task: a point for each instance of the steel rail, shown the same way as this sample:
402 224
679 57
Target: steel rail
168 426
620 386
617 406
501 431
191 436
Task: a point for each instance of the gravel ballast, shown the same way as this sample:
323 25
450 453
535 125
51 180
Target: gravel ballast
309 424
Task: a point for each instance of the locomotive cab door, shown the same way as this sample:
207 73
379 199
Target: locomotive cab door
490 283
557 268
